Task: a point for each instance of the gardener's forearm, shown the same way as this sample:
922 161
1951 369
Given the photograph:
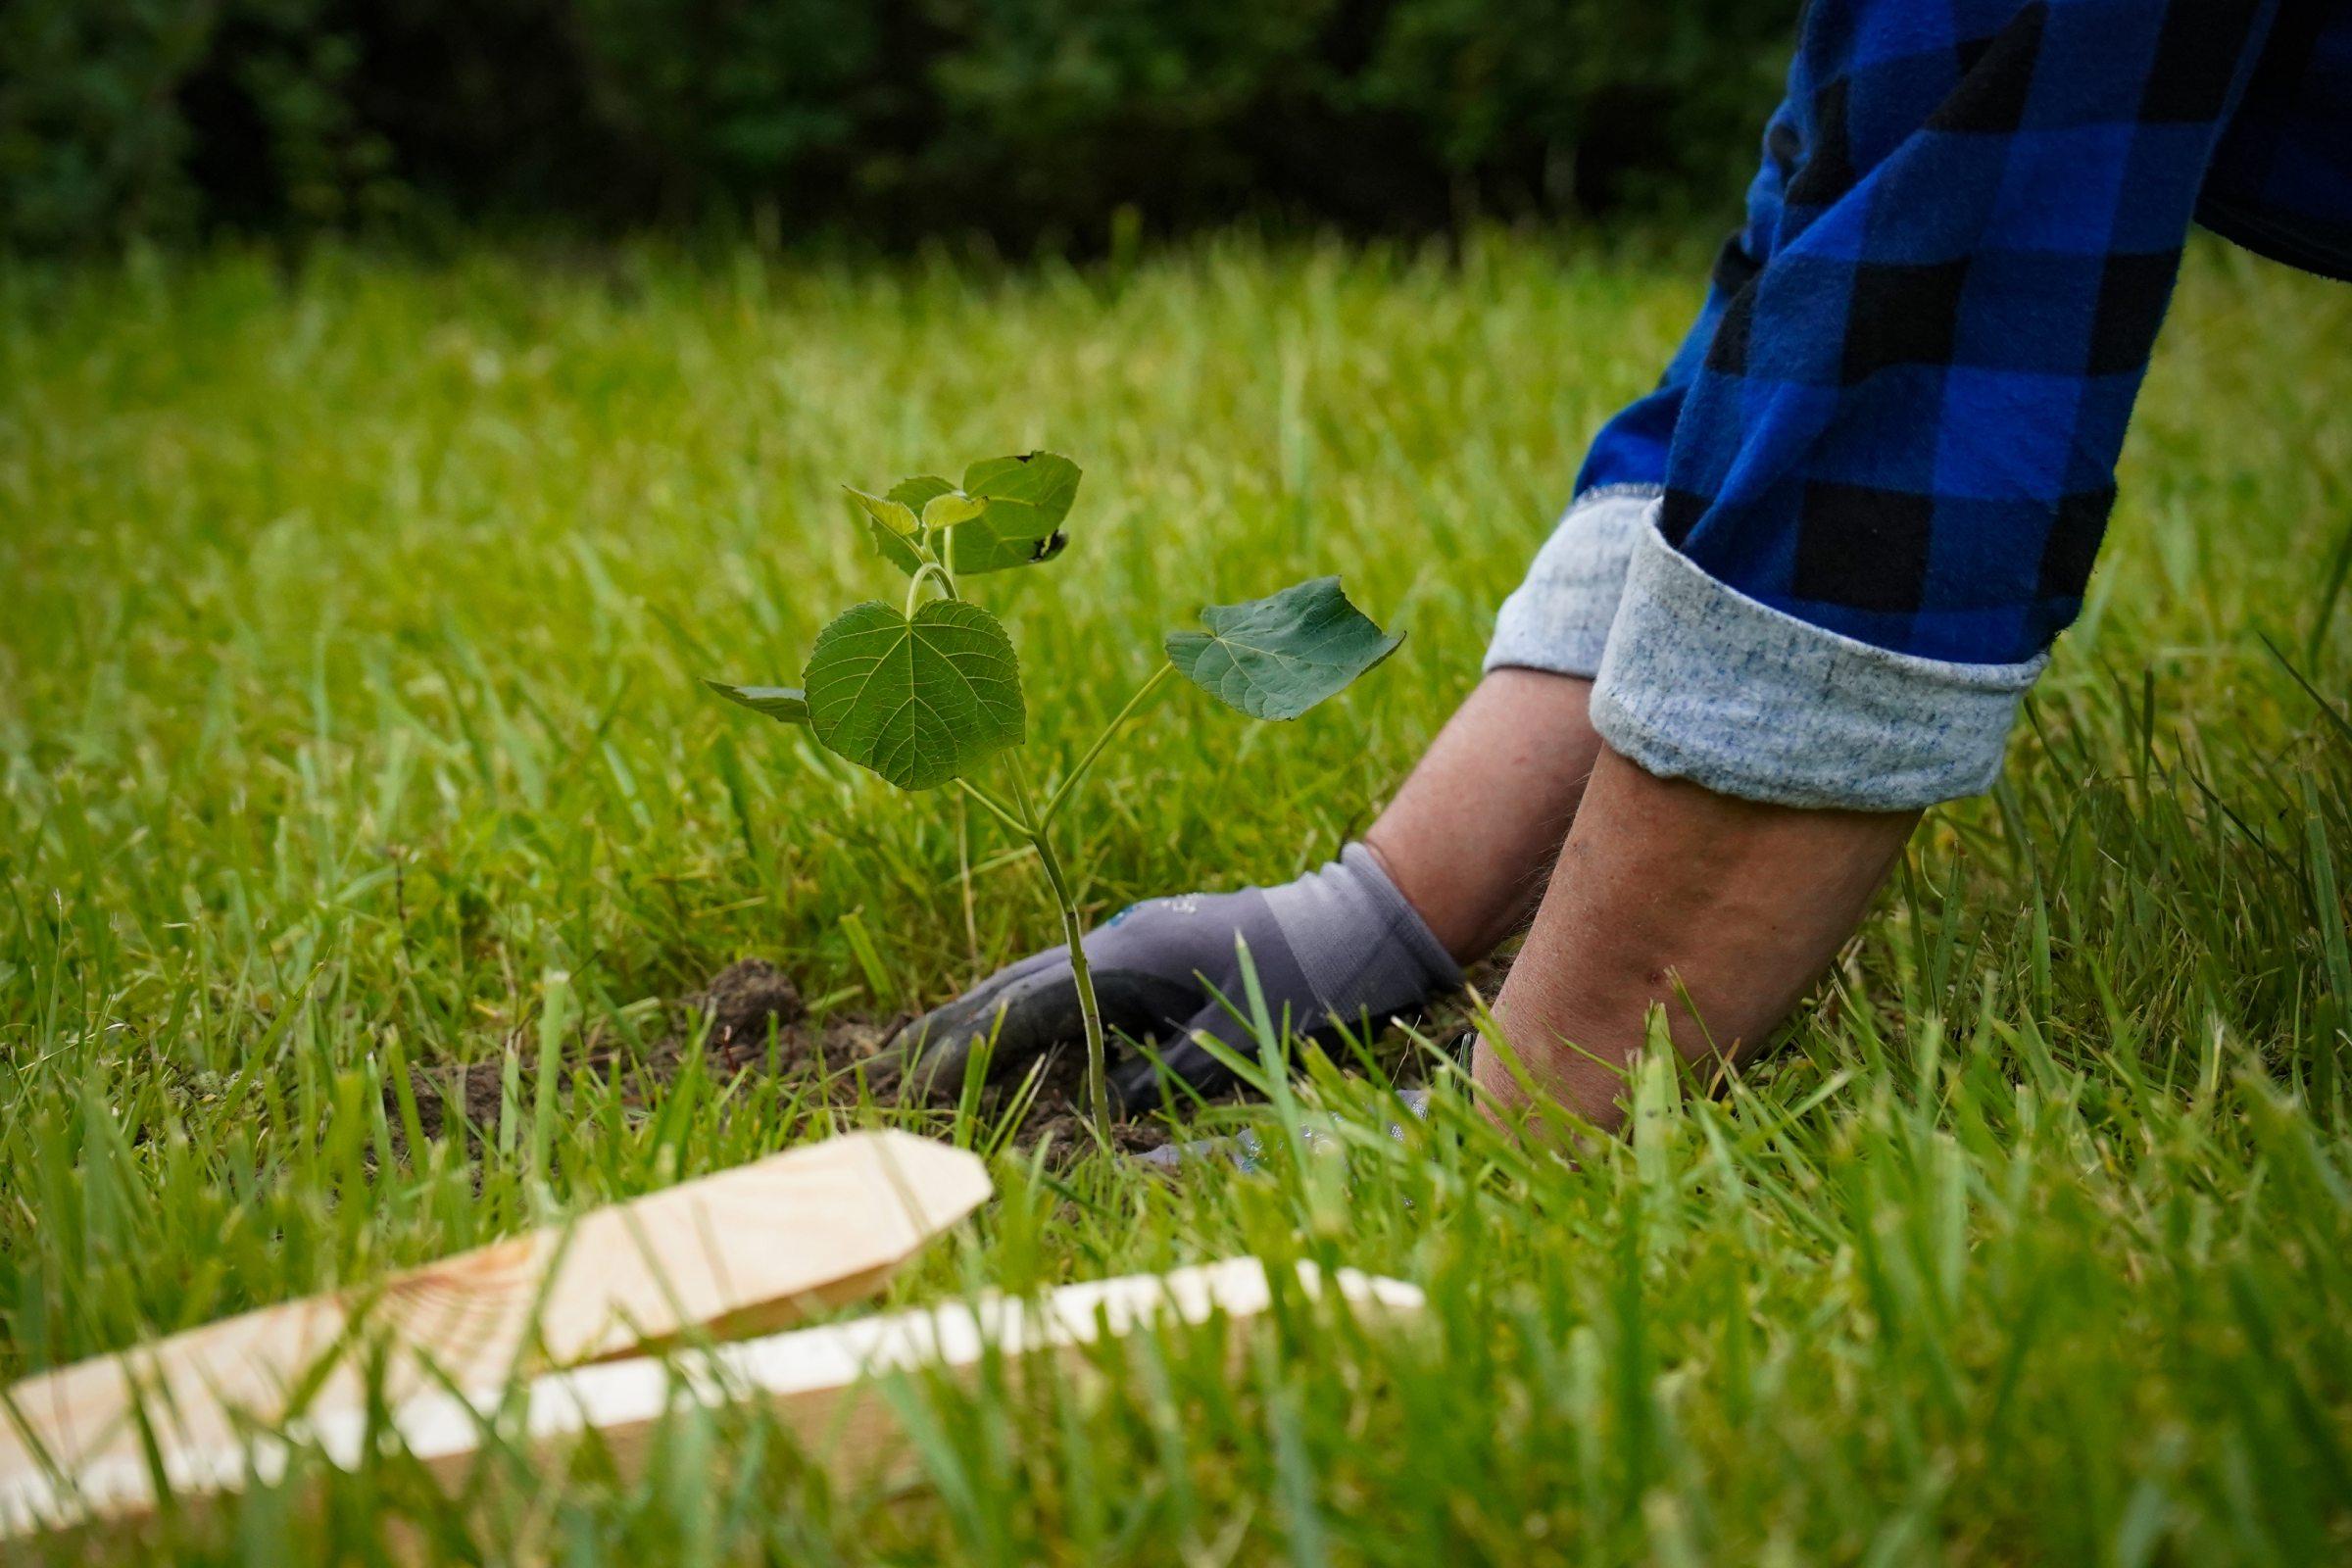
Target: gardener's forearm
1660 880
1475 830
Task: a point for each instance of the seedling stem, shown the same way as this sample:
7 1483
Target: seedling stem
1090 1014
1061 791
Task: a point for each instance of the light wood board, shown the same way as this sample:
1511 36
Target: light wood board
820 1382
745 1250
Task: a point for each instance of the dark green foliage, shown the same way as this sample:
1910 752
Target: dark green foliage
1023 119
1277 657
1019 523
125 118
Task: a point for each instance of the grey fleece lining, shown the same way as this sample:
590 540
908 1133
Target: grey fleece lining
1559 617
1701 682
1696 680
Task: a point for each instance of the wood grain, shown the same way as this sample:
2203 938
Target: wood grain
820 1382
743 1252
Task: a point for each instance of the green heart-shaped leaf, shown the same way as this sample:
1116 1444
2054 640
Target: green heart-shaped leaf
1277 657
786 704
1043 480
920 702
920 492
889 521
946 512
1023 502
896 515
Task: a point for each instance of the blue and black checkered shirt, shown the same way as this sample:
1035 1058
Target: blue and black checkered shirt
1898 415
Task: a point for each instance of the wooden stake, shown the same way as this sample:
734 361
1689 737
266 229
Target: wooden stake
820 1382
742 1251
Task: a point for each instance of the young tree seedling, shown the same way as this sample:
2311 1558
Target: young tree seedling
925 691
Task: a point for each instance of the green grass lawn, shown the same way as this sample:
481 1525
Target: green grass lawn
348 692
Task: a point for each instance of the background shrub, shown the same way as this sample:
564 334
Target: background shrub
1029 120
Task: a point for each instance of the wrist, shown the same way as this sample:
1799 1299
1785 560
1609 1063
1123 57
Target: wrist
1472 833
1360 942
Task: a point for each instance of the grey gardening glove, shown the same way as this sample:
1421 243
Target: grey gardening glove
1340 942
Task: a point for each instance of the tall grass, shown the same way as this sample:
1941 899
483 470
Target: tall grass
347 698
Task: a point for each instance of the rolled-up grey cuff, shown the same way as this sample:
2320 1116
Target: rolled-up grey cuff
1559 617
1705 683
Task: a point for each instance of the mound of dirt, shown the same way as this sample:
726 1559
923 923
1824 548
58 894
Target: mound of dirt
752 1006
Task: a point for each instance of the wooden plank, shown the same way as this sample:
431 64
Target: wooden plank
820 1382
745 1250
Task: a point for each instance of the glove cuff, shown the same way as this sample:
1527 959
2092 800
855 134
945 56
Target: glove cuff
1359 943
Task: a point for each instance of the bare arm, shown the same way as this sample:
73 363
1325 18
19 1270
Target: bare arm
1473 833
1634 882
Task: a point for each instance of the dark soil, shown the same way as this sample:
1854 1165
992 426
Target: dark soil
752 1006
757 1023
1060 1112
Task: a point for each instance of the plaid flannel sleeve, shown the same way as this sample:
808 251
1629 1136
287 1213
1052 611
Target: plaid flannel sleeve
1823 562
1559 618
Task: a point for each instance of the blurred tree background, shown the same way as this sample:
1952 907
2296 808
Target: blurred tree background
1032 121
